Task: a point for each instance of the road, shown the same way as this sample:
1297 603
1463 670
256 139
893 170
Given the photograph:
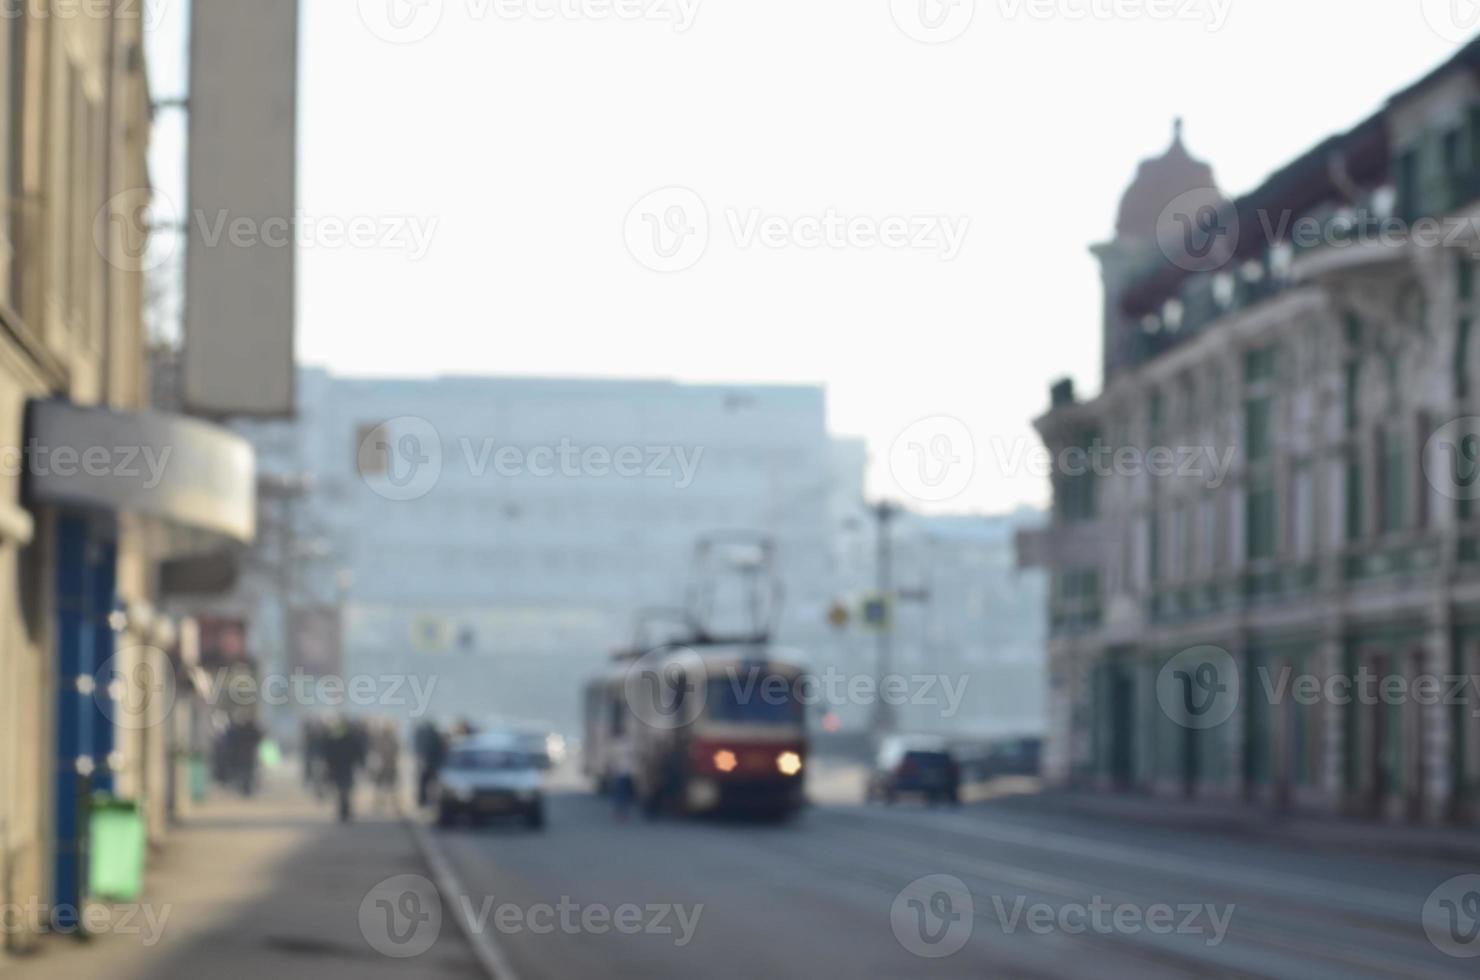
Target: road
1043 893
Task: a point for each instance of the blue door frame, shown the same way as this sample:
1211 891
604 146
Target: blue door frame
86 577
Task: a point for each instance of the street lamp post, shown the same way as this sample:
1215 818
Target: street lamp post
884 514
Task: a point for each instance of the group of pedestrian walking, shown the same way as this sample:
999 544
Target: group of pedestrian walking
336 749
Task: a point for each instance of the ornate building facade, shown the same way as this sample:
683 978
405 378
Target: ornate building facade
1265 548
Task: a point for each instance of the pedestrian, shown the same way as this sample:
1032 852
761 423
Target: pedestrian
385 765
243 739
431 753
314 734
343 755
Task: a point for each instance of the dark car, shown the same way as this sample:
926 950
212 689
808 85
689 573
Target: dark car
914 767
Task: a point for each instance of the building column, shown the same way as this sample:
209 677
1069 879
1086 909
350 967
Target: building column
1329 662
1437 735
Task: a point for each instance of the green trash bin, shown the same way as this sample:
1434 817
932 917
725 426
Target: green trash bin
117 844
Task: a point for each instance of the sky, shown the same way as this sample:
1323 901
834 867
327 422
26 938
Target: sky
900 195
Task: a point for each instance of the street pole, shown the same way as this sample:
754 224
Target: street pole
884 514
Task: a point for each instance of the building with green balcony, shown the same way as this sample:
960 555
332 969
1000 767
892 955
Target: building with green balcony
1265 546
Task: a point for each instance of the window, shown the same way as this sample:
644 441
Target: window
1462 358
1189 542
1076 490
1406 179
1356 500
1153 548
1181 545
1258 435
1209 543
1259 365
1453 150
1303 516
1353 394
1261 523
1394 486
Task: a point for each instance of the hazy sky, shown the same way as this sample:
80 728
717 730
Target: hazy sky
519 136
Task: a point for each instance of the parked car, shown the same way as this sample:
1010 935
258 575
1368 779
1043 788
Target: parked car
492 775
915 766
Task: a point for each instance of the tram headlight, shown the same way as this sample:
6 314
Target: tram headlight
726 761
789 763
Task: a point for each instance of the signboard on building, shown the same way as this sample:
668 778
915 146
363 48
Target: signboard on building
316 642
223 640
242 221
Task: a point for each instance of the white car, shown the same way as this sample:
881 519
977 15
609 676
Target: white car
491 775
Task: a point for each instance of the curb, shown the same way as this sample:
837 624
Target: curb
494 963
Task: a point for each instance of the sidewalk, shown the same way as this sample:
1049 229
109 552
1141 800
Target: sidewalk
1436 843
273 889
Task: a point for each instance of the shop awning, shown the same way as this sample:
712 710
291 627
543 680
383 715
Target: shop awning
184 471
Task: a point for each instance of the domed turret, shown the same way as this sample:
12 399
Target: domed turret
1159 182
1146 227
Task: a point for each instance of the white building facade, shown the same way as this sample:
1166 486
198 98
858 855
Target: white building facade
496 537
